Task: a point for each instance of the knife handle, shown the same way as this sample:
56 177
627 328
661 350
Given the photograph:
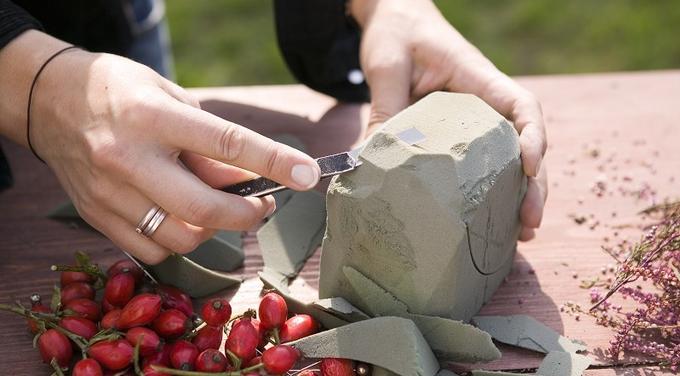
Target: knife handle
330 165
254 188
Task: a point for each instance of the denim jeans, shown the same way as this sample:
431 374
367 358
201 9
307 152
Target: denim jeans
151 37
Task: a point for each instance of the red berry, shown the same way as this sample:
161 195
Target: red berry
114 355
183 355
216 312
140 310
211 360
110 319
87 367
54 345
119 289
253 362
108 307
149 371
337 367
76 290
171 324
85 308
126 266
80 326
149 342
36 306
280 359
208 337
70 277
174 298
297 327
273 311
160 357
308 372
242 340
260 333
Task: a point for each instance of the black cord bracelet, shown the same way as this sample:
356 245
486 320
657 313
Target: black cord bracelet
30 98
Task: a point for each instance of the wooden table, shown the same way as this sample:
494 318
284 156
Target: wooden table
619 129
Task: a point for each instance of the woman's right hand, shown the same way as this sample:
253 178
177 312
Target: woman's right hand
113 132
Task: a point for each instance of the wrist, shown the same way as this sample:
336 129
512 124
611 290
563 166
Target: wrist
364 11
20 60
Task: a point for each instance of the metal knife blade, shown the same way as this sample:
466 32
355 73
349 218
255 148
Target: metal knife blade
330 165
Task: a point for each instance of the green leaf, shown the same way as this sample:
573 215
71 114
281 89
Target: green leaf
82 259
55 304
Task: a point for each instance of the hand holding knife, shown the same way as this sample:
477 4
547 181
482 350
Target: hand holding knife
330 165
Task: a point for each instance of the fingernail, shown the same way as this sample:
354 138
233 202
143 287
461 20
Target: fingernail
304 175
271 210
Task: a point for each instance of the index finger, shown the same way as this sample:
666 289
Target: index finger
191 129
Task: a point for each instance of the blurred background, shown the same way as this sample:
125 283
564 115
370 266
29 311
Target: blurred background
232 42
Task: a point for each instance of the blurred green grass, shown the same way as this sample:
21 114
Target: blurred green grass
232 42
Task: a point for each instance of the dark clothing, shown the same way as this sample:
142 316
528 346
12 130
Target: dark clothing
321 46
318 41
97 25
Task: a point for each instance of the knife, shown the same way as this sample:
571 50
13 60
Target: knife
330 165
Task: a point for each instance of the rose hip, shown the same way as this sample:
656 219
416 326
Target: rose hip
160 357
54 345
149 342
108 307
208 337
87 367
119 289
67 278
85 308
110 319
76 290
216 312
308 372
171 324
140 310
296 327
114 355
280 359
242 340
149 371
36 306
337 367
260 333
80 326
253 362
126 266
211 360
183 355
273 311
173 297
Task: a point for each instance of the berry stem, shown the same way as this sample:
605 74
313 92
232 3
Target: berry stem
90 269
57 369
171 371
233 359
275 334
135 357
47 319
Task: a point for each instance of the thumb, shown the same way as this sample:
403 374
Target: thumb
390 85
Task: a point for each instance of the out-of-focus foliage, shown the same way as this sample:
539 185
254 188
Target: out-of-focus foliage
230 42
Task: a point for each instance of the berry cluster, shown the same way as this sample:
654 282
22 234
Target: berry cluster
116 323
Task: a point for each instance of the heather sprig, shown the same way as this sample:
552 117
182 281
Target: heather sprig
652 328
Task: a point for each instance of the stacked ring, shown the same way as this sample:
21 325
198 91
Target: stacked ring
153 218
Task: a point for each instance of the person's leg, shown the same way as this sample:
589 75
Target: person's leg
151 45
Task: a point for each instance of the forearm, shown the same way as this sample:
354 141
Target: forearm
19 63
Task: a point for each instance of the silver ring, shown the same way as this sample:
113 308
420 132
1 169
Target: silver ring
147 218
154 223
